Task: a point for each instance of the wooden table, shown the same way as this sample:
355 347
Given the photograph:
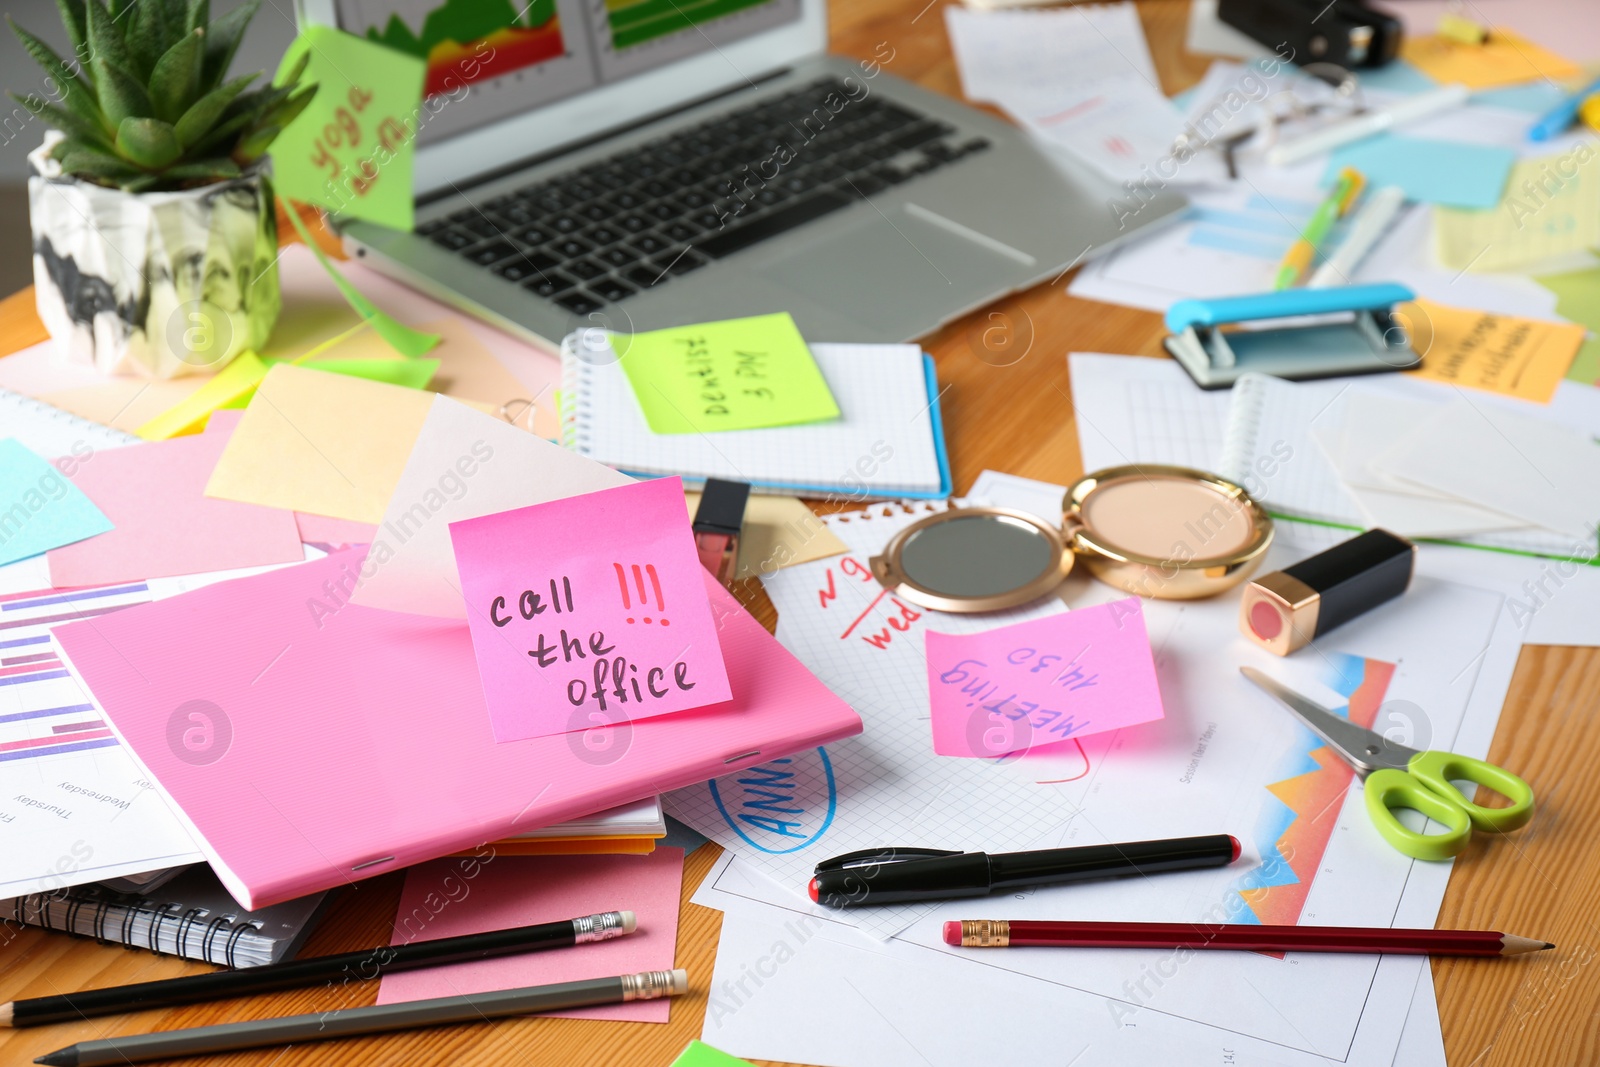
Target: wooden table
1012 414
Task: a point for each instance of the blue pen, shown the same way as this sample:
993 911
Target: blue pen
1557 119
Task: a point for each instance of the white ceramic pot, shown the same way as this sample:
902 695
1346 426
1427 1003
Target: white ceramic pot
156 285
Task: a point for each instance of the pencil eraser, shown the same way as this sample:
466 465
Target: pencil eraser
630 921
1238 849
680 981
952 932
812 889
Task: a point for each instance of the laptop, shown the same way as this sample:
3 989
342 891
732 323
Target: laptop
639 164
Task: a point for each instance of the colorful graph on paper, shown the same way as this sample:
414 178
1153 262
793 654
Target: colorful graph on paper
43 712
1307 791
469 40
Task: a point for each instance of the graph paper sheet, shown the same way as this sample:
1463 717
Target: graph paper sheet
885 787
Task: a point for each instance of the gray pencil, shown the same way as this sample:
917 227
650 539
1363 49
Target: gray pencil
349 1022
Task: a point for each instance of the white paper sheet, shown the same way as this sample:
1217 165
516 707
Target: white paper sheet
885 787
1534 469
1003 52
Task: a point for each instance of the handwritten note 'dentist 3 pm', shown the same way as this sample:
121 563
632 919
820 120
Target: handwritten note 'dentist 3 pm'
739 374
588 611
1041 683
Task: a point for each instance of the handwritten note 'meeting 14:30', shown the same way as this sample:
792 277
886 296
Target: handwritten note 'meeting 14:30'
1039 683
739 374
589 611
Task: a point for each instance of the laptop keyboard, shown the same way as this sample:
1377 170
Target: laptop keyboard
640 218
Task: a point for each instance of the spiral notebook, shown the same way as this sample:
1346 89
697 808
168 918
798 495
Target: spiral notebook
887 442
191 916
49 431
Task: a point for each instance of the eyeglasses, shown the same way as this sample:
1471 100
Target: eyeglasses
1316 95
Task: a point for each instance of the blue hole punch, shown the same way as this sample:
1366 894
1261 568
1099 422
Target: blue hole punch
1294 333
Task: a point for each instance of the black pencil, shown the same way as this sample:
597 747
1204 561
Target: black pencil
360 966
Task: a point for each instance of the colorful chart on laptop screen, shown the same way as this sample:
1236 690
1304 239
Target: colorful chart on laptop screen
465 41
636 21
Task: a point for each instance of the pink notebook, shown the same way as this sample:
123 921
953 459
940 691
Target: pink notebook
306 748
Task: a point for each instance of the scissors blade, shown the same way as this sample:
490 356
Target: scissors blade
1363 749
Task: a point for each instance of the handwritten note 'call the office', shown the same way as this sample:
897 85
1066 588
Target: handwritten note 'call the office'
589 611
1023 687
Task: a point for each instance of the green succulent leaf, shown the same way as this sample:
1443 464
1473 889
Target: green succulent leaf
254 144
221 139
69 123
121 94
175 80
75 95
199 15
150 143
147 33
86 161
204 170
203 114
286 112
222 41
72 17
106 42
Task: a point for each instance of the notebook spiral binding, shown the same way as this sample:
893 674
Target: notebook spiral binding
33 406
1244 424
574 413
185 936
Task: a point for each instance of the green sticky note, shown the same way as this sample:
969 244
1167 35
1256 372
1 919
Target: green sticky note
1578 299
403 339
351 151
700 1054
411 373
738 374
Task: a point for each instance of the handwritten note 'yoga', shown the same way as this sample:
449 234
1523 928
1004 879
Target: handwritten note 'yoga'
1043 682
739 374
589 611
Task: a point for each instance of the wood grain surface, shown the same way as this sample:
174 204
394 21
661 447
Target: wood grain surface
1007 405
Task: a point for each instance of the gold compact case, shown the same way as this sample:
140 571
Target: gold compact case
1169 532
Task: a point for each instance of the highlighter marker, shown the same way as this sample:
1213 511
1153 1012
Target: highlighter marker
1285 610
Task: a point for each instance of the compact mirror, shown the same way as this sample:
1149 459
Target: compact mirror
1160 531
973 559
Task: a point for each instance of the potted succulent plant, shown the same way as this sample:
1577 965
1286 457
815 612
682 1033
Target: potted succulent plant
154 233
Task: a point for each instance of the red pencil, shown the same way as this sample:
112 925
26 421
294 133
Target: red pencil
1002 933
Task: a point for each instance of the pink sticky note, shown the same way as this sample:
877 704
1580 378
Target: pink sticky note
1043 682
165 524
471 895
589 610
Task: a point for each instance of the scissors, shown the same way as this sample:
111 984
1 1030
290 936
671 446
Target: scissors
1400 777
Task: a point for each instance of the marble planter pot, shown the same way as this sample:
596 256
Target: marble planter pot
154 285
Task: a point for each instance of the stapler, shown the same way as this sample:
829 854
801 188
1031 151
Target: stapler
1292 333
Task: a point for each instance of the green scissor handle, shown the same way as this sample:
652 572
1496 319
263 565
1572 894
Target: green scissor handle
1438 769
1425 787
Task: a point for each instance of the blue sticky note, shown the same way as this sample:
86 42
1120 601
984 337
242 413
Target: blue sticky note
39 508
1451 173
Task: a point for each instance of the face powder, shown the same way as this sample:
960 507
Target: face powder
1162 531
1163 517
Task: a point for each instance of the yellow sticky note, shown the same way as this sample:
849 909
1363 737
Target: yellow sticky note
1551 209
1504 59
189 416
779 531
1524 358
322 443
738 374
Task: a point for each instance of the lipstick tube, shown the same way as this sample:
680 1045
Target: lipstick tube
1287 609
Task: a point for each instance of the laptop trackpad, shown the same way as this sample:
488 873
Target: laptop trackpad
897 266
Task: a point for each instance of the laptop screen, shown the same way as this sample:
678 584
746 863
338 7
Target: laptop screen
489 59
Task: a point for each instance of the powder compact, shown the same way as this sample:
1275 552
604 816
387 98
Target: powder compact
1174 533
